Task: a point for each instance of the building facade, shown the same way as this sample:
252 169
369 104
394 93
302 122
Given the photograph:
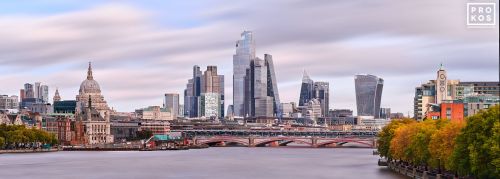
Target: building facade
245 52
93 111
306 89
261 92
171 103
9 102
321 91
154 113
368 95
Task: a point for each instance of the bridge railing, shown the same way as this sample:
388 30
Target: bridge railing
357 134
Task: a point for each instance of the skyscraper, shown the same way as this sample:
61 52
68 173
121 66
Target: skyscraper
321 91
43 93
272 85
29 90
204 94
306 90
192 94
368 94
212 94
245 52
261 90
171 103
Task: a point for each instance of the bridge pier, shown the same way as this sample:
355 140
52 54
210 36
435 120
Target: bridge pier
251 142
314 142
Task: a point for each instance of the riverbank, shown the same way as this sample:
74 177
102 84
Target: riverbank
413 172
28 150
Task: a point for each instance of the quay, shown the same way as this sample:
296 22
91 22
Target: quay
29 150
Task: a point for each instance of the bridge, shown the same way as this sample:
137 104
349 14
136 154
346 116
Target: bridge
271 138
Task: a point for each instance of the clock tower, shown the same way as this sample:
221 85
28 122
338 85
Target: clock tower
441 85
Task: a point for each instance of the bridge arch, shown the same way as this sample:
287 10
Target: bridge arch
286 141
226 140
344 141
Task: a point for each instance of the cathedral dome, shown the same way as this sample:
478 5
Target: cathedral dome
90 85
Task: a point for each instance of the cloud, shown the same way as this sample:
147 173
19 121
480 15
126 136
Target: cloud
137 57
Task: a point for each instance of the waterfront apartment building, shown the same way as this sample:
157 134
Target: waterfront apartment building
475 96
368 95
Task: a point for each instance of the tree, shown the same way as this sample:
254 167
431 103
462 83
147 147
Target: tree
477 150
419 141
400 143
2 142
442 144
386 135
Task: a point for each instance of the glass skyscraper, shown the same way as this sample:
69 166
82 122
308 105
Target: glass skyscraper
245 52
261 90
368 94
306 90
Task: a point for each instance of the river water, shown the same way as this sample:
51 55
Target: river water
218 162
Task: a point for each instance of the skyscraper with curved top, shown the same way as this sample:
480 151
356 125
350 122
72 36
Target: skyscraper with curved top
245 52
368 94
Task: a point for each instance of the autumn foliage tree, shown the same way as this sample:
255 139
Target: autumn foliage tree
470 148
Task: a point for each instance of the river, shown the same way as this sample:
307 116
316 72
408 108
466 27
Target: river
217 162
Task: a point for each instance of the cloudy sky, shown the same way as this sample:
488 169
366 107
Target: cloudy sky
143 49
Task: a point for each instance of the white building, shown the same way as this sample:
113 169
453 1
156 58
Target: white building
312 110
154 113
210 105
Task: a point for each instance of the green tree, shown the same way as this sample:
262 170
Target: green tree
2 142
477 150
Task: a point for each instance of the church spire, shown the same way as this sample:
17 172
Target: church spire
56 96
89 72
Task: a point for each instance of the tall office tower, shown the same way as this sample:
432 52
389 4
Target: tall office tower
37 90
441 85
321 91
272 85
245 52
306 90
43 93
368 95
261 91
192 94
212 93
56 96
172 103
28 89
22 95
222 96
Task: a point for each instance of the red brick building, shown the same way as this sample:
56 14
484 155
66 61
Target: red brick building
451 111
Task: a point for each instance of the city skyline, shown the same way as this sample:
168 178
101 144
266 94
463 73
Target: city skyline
465 53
